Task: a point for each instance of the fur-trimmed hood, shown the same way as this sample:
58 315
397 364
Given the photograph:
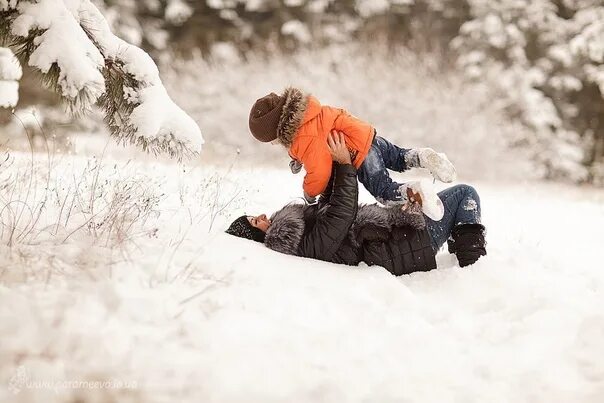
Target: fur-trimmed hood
286 230
292 115
287 225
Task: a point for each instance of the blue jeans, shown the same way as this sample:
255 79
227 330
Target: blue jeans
462 206
373 172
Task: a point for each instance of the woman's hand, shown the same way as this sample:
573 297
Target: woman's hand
337 148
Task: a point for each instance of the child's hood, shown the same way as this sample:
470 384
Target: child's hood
298 109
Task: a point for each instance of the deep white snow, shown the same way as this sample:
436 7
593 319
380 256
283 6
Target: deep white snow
192 314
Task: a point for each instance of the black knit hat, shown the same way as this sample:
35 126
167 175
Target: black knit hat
242 228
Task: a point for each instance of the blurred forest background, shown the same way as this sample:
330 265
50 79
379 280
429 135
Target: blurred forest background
468 77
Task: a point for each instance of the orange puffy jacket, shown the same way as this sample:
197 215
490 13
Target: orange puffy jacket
309 143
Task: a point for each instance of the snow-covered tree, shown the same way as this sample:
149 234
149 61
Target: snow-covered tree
10 74
147 23
71 44
546 57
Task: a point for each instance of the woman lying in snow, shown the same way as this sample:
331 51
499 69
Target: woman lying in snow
398 237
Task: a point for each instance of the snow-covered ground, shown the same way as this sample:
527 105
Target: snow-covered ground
173 309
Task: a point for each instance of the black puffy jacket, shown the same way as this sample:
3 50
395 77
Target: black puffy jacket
338 230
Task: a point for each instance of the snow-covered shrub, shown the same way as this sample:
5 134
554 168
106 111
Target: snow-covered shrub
10 74
96 66
48 200
546 60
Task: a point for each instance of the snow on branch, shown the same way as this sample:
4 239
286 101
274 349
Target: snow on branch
10 74
71 44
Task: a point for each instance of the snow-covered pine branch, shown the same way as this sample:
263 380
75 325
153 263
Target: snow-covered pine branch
10 74
71 44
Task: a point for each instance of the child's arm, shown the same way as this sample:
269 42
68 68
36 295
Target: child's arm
358 132
317 163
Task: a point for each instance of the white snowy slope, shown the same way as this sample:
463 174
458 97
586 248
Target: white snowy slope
192 314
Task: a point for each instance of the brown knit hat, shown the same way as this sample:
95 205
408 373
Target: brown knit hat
264 117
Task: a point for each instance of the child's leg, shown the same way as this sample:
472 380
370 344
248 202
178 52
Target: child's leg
402 159
395 157
462 206
376 179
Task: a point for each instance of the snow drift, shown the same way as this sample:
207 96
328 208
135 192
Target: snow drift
191 314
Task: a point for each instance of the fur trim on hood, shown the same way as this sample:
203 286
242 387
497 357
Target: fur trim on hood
292 116
388 217
287 228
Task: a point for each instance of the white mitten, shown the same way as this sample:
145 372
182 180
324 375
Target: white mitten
437 163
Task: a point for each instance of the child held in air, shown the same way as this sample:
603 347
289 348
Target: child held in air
301 124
